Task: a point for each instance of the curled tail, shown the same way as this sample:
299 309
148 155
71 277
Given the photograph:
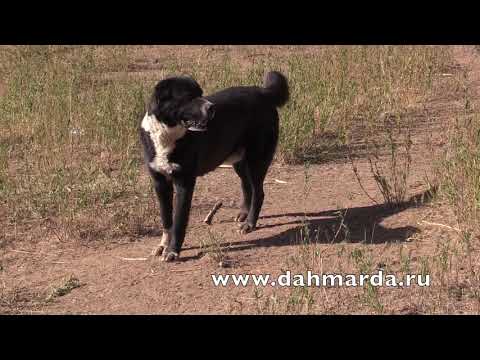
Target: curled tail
276 88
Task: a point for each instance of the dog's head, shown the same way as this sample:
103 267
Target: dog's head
178 101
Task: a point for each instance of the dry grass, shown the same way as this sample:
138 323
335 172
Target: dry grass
64 287
69 150
459 172
214 246
69 114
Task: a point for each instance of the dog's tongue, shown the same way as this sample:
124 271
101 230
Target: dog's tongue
196 129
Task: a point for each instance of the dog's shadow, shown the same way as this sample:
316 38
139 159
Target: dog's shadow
351 225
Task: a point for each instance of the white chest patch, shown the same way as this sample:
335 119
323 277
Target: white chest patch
163 138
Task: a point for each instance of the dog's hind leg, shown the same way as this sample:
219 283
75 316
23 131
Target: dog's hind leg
257 170
256 181
258 158
164 191
242 171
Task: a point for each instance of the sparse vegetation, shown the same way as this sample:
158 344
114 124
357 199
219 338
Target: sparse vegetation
65 286
69 143
215 247
390 173
459 172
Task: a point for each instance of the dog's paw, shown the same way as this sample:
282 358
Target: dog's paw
158 250
246 228
241 217
173 168
169 256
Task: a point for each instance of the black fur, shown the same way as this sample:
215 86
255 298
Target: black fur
148 147
245 118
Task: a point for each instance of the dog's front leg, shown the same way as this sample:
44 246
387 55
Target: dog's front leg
184 187
164 190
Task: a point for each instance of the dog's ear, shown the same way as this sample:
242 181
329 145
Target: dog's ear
162 92
196 85
153 103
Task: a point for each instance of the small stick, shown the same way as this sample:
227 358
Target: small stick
132 259
23 251
31 252
441 225
209 217
27 252
276 181
185 270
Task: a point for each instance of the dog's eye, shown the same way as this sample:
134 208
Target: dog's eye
187 114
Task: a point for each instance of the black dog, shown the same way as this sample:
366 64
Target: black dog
185 135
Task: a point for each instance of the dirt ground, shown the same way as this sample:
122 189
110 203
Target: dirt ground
115 278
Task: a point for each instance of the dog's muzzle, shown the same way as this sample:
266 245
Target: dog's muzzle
208 112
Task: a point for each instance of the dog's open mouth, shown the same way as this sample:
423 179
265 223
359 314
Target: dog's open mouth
197 115
194 126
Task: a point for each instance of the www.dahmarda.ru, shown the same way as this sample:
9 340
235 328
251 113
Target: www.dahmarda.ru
310 279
